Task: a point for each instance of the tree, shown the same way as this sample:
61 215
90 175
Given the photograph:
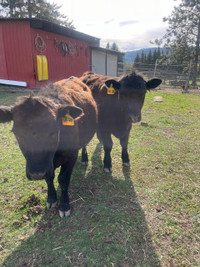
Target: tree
10 8
114 47
155 56
108 46
149 57
136 61
128 67
184 30
40 9
142 57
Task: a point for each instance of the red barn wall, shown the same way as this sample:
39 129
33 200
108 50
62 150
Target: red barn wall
3 67
60 67
16 52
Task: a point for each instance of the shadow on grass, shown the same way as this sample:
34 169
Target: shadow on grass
107 226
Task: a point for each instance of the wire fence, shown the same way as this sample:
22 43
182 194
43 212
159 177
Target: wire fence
172 75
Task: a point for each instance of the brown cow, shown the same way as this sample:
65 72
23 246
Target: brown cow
119 102
50 129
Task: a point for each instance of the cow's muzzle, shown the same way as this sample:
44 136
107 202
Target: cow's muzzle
135 119
36 176
39 175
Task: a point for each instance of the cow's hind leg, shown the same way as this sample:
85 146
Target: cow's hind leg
64 180
99 136
52 197
107 143
124 155
84 159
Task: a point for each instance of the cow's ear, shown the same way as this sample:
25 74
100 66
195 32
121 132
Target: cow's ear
153 83
73 111
115 84
5 114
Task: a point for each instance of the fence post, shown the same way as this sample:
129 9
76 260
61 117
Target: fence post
155 67
188 78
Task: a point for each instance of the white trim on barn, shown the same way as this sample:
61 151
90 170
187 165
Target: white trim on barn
13 83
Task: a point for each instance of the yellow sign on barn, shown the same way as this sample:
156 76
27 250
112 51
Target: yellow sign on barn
42 68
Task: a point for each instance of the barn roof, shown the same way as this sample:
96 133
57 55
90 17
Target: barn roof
55 28
108 51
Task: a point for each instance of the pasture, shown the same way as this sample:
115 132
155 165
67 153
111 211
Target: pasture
147 215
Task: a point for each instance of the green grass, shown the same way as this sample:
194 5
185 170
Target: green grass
144 216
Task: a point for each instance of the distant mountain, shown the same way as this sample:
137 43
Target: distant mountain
130 55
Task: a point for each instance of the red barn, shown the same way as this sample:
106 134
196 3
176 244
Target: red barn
36 52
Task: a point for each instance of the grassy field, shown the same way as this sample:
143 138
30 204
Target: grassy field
147 215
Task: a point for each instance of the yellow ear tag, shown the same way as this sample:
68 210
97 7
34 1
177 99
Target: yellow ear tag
110 90
68 120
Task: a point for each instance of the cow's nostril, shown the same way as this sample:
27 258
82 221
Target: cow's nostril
135 119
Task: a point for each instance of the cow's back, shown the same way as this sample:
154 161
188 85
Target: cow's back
96 83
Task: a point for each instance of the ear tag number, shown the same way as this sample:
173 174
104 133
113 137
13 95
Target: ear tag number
68 120
110 90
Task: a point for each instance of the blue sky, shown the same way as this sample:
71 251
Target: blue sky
129 23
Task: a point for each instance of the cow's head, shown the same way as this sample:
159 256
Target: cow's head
132 89
36 126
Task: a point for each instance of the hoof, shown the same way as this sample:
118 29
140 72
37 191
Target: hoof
126 164
108 170
64 214
51 205
84 163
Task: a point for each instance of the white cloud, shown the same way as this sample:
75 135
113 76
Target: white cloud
130 23
127 22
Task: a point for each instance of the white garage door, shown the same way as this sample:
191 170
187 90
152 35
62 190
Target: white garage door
98 62
104 63
111 65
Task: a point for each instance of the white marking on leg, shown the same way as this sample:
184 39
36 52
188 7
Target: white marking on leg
127 164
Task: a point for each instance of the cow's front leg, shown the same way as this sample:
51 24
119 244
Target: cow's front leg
107 143
64 180
51 197
84 159
124 145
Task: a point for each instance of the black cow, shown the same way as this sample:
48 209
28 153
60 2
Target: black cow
119 103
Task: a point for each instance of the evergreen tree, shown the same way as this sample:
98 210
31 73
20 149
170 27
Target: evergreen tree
137 58
136 61
40 9
142 57
10 8
108 46
149 57
114 47
145 58
184 28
